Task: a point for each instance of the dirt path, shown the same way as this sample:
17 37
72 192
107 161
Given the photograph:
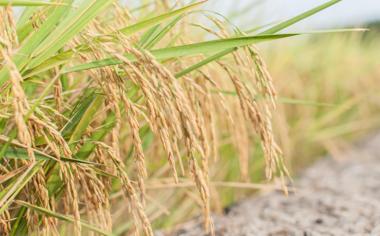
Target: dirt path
333 198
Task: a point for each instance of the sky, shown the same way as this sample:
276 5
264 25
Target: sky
258 12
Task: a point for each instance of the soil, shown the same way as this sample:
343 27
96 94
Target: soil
333 197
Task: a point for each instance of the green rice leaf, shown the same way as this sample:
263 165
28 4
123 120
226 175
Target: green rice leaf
21 154
11 191
148 35
62 217
158 19
72 24
97 135
86 119
271 30
29 3
77 114
294 101
154 40
298 18
203 62
25 16
53 62
24 24
19 226
185 50
34 40
284 100
39 66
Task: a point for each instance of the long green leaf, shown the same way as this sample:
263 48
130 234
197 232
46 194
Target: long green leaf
185 50
154 21
73 23
24 24
23 55
213 46
158 19
62 217
8 194
306 14
19 225
77 114
284 100
271 30
86 119
19 153
53 62
154 40
97 135
148 35
203 62
29 3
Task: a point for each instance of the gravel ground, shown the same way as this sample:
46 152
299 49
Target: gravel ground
333 197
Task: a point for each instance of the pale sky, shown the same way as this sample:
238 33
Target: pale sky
344 13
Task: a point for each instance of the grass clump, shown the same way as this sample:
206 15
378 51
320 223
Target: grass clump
98 106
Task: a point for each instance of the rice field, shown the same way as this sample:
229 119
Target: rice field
120 121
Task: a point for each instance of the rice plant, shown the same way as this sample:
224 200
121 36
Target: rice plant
101 105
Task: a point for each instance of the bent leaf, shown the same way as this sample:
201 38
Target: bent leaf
272 30
185 50
73 23
62 217
156 20
29 3
19 153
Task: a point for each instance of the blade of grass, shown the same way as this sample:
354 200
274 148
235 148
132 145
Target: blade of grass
29 3
25 16
185 50
97 135
63 217
213 46
22 57
220 54
86 119
148 35
162 33
60 59
11 174
77 114
54 61
203 62
8 194
271 30
71 25
284 100
156 20
18 153
293 101
24 24
19 226
304 15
